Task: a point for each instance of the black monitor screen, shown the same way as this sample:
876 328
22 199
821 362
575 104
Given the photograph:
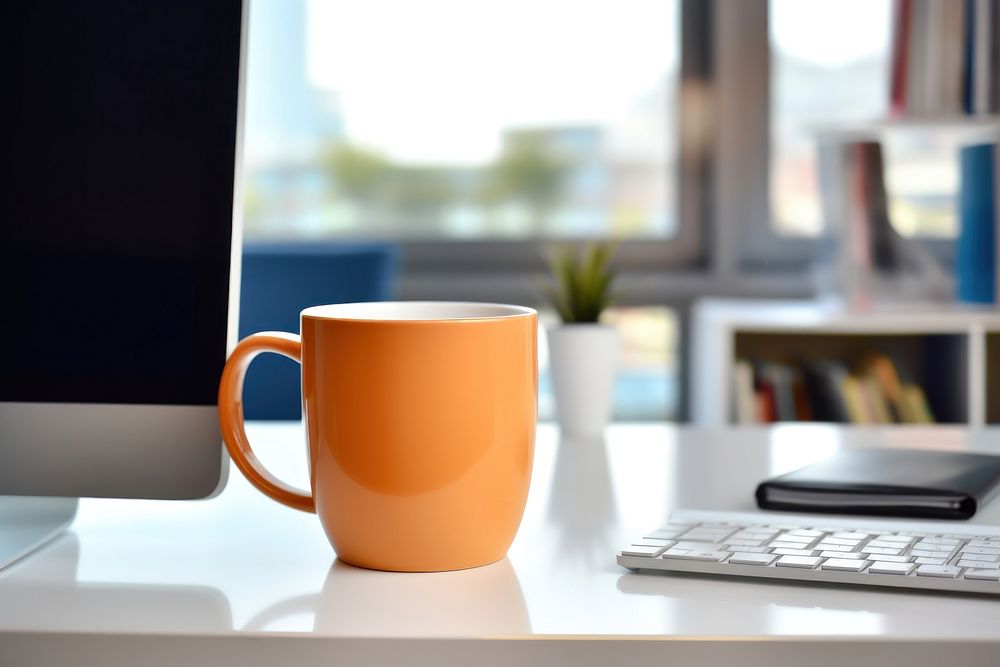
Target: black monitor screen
118 120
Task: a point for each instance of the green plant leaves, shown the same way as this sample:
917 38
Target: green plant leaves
581 284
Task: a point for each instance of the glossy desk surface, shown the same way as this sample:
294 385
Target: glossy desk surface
190 580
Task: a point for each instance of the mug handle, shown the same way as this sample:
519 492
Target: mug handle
231 414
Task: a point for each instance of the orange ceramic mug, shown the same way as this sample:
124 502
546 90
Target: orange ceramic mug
420 418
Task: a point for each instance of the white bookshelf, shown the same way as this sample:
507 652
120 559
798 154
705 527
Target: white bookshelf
961 347
961 125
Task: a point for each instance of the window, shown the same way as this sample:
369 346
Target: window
444 119
830 68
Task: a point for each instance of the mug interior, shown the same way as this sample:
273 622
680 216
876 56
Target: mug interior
416 311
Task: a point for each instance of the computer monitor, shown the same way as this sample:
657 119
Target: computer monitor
119 255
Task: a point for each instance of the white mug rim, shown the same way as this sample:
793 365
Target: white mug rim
416 311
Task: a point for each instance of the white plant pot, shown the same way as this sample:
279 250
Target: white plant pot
583 359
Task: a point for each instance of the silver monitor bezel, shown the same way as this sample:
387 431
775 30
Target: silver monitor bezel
128 451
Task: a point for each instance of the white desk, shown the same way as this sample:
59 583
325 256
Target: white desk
241 580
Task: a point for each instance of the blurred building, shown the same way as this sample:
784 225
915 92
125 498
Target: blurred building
286 116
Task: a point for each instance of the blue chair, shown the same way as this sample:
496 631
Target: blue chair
279 280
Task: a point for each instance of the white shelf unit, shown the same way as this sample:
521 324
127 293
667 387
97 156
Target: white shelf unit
985 125
958 349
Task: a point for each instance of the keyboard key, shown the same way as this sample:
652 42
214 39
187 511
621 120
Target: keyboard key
887 558
842 548
939 540
941 571
692 554
856 535
745 535
980 550
805 533
800 539
665 534
841 541
747 550
983 543
786 545
795 552
700 535
640 550
902 539
920 553
890 568
881 550
944 548
696 546
985 558
745 543
882 544
743 558
856 555
654 542
983 575
845 565
801 562
707 532
924 560
979 565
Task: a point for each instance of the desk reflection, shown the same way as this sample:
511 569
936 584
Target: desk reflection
482 601
62 601
582 511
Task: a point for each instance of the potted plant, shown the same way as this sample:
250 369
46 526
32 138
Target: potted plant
583 353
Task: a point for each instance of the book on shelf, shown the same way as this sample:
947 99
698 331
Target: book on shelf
873 391
945 57
876 400
823 382
780 379
976 261
854 399
982 42
899 48
917 402
744 397
767 409
881 369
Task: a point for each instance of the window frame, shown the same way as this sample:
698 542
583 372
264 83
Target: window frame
743 33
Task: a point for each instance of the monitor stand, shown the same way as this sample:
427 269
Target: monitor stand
28 522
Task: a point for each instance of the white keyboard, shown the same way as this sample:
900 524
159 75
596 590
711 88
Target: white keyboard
939 556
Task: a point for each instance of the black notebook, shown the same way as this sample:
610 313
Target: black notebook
887 482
